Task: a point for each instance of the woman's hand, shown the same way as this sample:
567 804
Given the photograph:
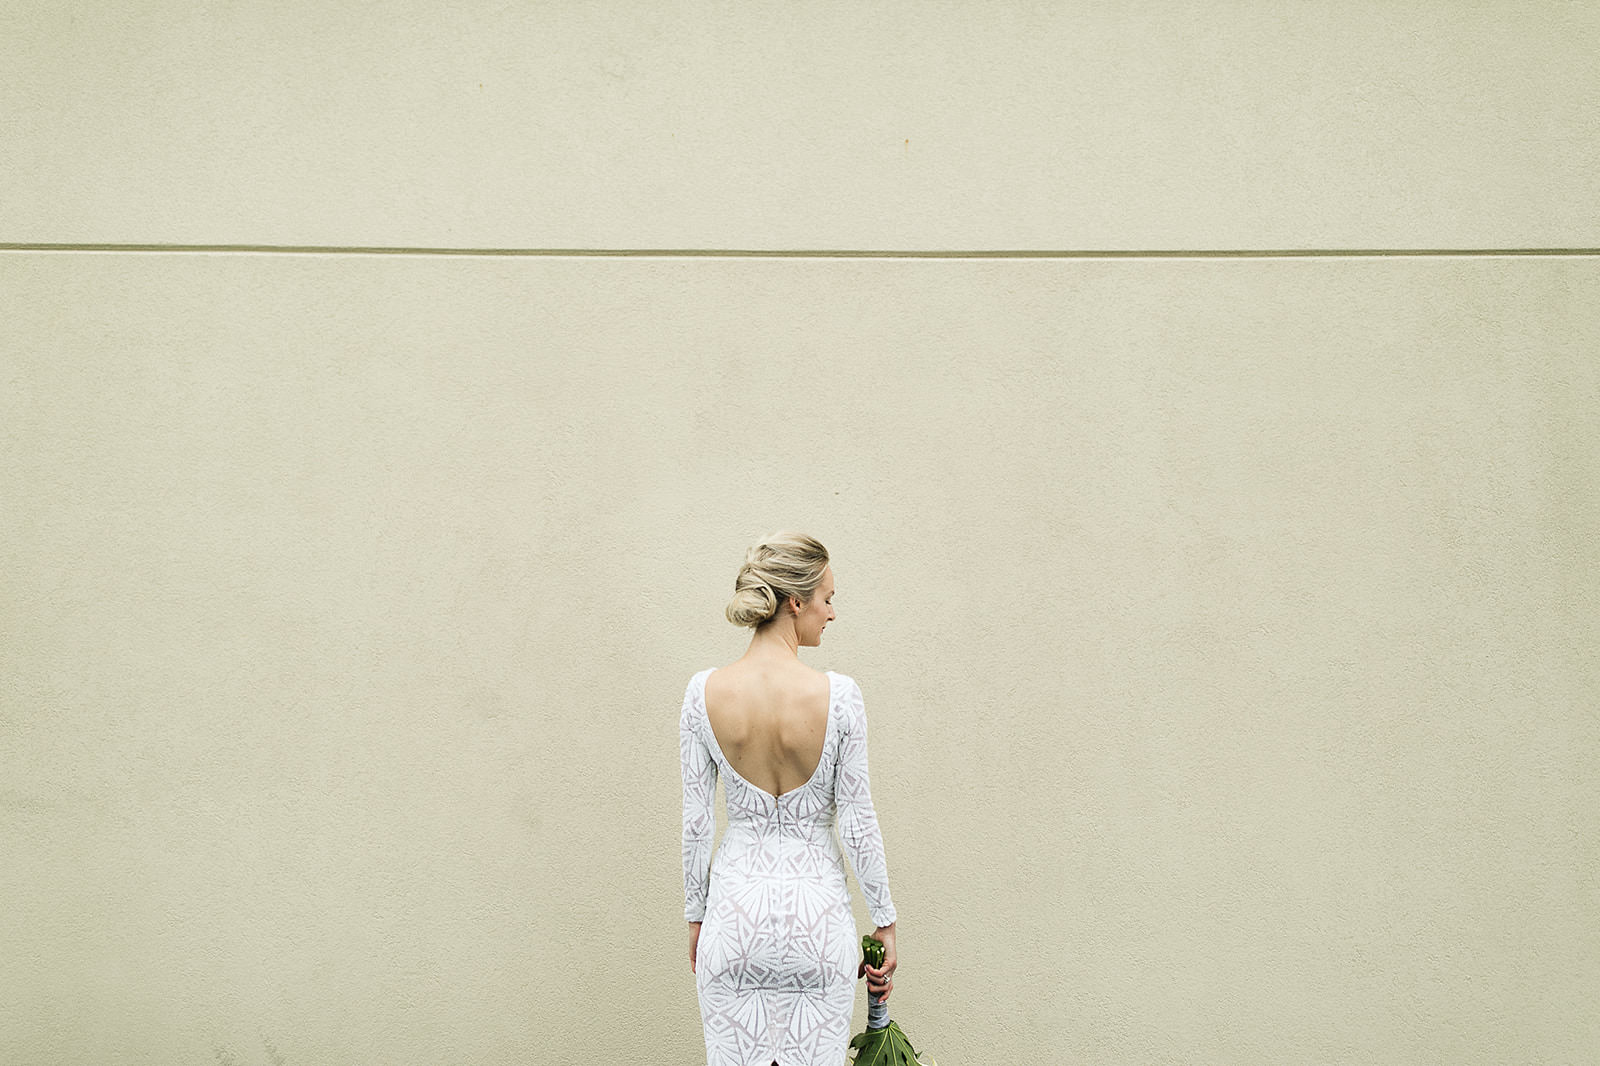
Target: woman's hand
694 945
880 980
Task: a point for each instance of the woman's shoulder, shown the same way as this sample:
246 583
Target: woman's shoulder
845 693
841 681
798 675
694 691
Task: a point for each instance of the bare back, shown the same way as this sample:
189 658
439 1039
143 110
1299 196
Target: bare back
770 720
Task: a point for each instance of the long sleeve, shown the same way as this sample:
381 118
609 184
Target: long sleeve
858 822
699 823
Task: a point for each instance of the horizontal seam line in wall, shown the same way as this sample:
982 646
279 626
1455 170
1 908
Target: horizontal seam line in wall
820 253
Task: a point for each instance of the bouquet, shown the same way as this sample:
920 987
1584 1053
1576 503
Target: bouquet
883 1043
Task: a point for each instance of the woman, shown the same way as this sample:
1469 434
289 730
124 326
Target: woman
772 942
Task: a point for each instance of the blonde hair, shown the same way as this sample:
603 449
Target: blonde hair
780 566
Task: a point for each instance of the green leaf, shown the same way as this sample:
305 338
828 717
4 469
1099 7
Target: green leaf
872 1048
888 1046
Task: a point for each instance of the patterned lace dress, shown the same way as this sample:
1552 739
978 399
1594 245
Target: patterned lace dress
778 948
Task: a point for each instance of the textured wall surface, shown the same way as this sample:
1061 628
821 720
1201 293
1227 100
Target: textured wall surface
698 124
1226 626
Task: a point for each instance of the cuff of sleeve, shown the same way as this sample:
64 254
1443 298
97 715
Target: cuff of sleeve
883 917
695 914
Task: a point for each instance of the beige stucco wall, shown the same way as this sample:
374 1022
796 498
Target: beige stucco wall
1226 625
812 124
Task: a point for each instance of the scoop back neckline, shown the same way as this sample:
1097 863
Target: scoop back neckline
827 734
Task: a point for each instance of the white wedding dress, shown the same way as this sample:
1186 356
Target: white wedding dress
778 948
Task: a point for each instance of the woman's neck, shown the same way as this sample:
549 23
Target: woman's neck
773 641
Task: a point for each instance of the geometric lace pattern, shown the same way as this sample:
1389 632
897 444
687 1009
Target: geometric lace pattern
776 969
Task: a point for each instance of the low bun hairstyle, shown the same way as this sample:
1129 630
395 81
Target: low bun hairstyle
782 565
